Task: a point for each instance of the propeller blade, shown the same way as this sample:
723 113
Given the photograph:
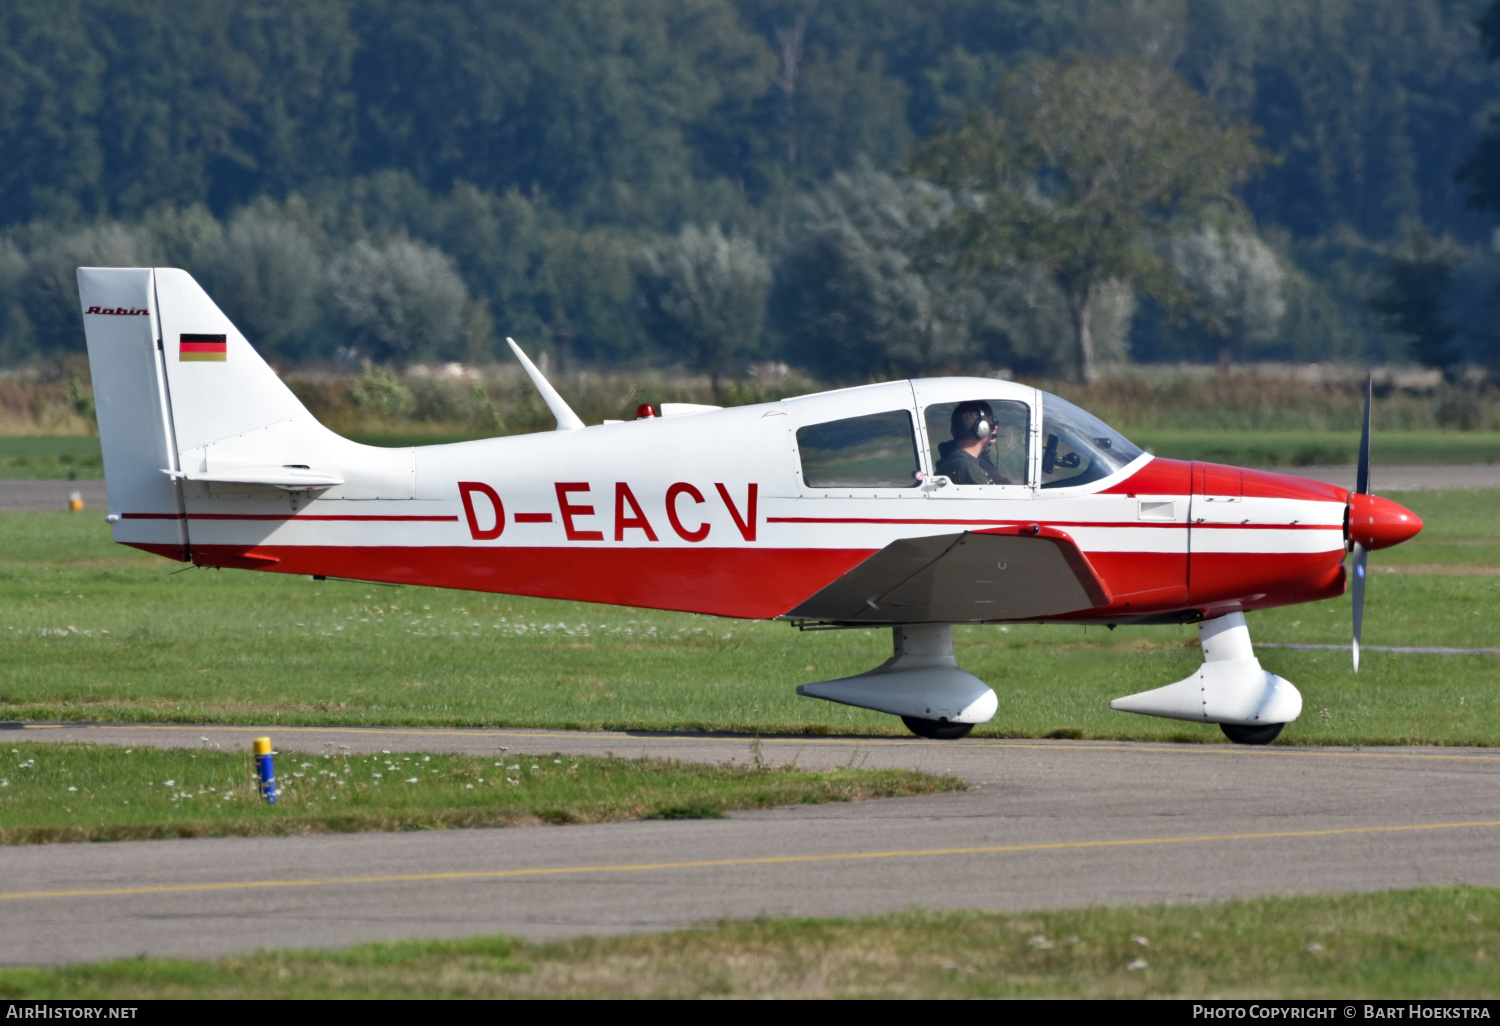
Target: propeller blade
1362 482
1362 487
1358 592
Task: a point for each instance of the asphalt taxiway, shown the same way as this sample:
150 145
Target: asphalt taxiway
1043 824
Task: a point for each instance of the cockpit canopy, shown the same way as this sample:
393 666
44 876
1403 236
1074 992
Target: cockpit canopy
894 435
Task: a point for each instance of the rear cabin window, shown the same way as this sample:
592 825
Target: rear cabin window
875 451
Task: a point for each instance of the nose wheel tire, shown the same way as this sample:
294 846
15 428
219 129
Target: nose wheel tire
1242 735
938 730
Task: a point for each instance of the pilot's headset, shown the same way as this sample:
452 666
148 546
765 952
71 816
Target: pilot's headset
984 428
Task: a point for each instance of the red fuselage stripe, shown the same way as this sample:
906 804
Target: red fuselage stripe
289 518
546 518
1159 525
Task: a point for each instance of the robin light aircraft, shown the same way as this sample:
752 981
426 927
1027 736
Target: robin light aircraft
913 505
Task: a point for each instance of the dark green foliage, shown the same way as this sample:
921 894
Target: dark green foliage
852 297
1481 171
398 302
1370 104
112 108
1413 301
588 103
542 144
1077 168
705 296
651 113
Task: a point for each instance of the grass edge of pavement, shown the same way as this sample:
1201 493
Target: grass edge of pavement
608 789
31 717
1433 942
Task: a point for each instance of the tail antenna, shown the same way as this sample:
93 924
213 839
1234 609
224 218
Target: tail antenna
567 420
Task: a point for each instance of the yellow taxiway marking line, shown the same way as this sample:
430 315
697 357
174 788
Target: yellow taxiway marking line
1144 746
769 860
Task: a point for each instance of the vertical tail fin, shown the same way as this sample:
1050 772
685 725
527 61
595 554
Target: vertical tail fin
218 384
171 376
191 417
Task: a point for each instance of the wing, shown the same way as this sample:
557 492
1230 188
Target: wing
959 578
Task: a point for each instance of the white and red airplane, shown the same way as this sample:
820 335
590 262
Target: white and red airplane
846 508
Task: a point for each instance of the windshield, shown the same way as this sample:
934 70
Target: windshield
1078 447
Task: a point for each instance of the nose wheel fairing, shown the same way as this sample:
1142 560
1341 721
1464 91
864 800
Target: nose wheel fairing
1230 687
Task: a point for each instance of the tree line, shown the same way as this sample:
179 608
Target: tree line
858 187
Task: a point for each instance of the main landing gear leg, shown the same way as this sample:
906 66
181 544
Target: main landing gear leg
1248 703
920 682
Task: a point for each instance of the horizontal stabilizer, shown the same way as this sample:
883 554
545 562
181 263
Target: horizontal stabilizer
291 479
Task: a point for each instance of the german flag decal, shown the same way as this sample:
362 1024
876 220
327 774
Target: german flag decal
203 349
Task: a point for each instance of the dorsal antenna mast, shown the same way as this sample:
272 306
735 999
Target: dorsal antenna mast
567 420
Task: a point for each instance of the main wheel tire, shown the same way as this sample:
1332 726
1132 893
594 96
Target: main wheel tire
1242 735
936 730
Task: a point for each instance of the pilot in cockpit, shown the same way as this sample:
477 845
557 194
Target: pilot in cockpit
965 460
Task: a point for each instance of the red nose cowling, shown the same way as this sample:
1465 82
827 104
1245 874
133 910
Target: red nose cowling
1378 523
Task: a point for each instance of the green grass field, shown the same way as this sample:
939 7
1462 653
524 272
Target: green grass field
1429 943
77 457
94 631
98 793
1321 448
50 458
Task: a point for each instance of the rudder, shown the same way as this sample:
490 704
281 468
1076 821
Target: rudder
130 399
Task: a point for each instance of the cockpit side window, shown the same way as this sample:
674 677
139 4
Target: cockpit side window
874 451
1002 460
1078 447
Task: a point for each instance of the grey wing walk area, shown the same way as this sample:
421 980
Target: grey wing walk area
1044 824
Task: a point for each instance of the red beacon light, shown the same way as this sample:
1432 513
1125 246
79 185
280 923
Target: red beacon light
644 411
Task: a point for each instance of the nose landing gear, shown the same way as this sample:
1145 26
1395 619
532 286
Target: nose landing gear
1231 689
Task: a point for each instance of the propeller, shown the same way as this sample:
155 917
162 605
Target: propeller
1361 554
1373 523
